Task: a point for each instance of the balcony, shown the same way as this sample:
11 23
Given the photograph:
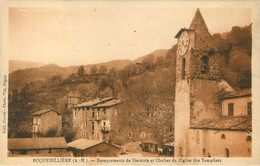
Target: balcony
97 118
105 129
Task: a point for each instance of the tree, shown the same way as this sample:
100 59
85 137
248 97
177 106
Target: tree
52 132
93 69
102 69
69 134
81 71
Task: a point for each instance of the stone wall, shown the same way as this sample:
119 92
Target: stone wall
205 143
203 100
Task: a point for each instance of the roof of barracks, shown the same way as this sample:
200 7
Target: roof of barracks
83 144
37 143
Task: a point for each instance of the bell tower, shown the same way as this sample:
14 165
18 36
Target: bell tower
197 75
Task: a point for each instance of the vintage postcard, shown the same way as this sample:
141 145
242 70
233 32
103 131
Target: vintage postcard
129 82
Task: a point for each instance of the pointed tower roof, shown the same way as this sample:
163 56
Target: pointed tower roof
198 21
203 39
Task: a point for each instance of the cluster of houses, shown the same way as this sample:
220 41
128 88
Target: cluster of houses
91 120
206 124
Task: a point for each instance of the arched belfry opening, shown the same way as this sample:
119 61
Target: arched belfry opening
183 68
204 64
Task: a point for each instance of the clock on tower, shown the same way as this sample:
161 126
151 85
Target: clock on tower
183 43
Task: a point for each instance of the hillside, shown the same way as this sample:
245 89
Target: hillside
21 65
155 54
18 78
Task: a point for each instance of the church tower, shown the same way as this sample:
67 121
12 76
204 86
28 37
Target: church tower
197 75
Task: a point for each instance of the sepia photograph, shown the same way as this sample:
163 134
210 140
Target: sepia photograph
133 81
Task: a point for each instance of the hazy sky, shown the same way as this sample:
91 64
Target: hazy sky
76 36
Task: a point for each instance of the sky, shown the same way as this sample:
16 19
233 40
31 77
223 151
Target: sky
90 35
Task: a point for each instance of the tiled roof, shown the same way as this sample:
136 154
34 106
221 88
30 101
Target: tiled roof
224 87
240 93
107 99
226 123
44 111
37 143
83 144
89 103
109 103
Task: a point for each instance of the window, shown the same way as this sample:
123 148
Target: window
49 150
223 136
86 124
37 151
249 108
183 68
249 138
204 64
227 152
230 109
87 108
93 128
104 124
204 152
104 110
98 113
93 114
34 120
130 135
98 109
142 134
35 128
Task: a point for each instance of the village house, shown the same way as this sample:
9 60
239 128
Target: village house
73 98
41 147
206 123
152 124
93 148
46 120
93 118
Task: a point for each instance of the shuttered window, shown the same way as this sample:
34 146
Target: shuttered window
230 109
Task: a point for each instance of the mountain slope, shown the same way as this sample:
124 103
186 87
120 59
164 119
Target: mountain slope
156 54
20 65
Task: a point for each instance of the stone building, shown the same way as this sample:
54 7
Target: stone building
199 119
93 119
73 98
46 120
